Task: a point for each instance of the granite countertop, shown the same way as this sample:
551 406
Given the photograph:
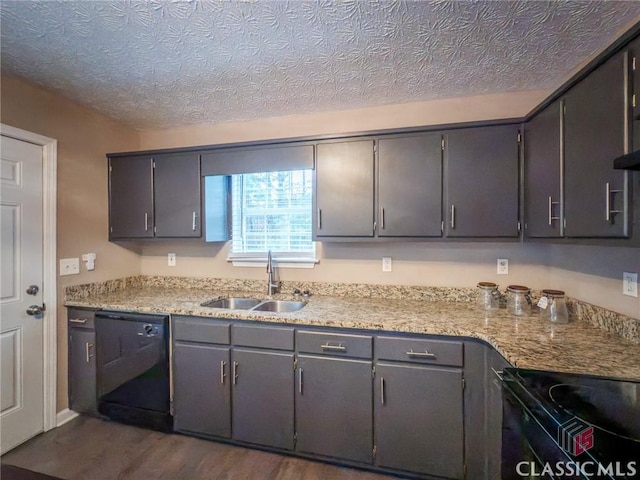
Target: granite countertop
526 342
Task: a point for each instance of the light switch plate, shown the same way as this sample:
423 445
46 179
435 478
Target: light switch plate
630 284
386 264
503 266
69 266
171 259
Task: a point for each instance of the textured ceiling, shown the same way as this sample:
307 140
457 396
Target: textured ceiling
166 63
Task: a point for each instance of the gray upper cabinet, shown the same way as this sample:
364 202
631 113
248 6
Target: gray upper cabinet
634 52
177 195
263 397
131 197
410 186
344 187
419 419
155 195
481 182
334 408
542 173
595 132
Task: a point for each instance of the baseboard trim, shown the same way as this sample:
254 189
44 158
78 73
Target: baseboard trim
65 416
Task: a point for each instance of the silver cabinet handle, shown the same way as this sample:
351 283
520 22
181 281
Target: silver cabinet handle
382 218
453 216
87 347
319 218
235 372
608 193
424 354
146 221
551 217
222 374
194 221
300 381
338 348
497 373
382 390
78 320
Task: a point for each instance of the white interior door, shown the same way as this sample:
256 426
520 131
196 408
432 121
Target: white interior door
21 257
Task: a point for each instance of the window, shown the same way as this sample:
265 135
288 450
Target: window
272 211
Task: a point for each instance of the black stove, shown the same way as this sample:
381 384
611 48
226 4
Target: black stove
561 425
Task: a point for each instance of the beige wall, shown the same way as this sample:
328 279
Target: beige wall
84 137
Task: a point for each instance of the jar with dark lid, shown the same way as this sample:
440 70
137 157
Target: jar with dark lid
554 308
518 300
488 297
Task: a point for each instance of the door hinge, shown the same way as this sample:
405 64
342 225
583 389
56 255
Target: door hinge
564 108
519 137
633 63
314 163
295 440
295 364
464 383
110 169
374 227
374 451
633 100
442 227
373 371
519 227
154 229
110 229
442 143
375 147
172 410
153 164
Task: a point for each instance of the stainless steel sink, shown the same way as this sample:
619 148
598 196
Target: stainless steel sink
279 306
232 303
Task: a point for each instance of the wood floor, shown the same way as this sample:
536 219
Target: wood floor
91 449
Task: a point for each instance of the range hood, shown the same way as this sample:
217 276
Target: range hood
629 161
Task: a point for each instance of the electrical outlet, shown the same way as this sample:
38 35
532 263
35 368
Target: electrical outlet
386 264
503 266
630 284
69 266
171 259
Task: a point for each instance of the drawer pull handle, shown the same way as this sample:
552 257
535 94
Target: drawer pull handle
78 320
337 348
424 354
235 372
88 346
382 390
300 380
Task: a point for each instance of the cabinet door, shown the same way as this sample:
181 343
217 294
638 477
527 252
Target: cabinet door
481 182
595 133
634 53
202 393
334 408
344 189
82 370
263 398
410 186
419 419
496 364
542 173
177 195
130 197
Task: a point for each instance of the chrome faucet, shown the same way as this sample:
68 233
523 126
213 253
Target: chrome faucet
272 284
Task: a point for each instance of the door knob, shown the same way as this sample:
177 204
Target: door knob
35 309
33 290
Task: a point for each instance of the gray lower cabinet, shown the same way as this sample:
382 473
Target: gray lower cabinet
493 416
334 408
263 397
82 361
595 132
201 376
481 182
419 419
202 393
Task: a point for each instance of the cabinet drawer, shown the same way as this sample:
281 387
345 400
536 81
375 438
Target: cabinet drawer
420 350
343 345
201 330
263 337
80 318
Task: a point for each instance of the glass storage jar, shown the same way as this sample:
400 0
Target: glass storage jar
556 309
518 300
488 296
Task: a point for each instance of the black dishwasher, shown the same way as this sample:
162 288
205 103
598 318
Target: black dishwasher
132 362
